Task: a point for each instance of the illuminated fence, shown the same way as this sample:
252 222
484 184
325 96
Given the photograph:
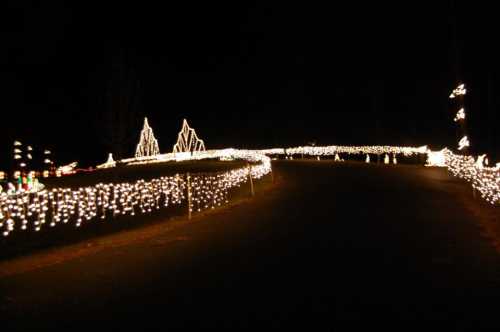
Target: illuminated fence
333 149
32 211
486 180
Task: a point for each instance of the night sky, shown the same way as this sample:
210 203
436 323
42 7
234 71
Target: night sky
79 78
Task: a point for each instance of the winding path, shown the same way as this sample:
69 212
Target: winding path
328 245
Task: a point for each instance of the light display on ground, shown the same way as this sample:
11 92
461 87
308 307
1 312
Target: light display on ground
33 210
187 140
148 145
109 163
486 180
333 149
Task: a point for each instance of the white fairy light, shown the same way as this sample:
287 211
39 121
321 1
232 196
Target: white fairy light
459 91
34 210
367 160
486 180
148 145
187 140
17 143
333 149
386 159
464 142
460 115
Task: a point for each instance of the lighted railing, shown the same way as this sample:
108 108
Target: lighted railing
32 211
486 180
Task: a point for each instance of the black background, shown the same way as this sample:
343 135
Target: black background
245 74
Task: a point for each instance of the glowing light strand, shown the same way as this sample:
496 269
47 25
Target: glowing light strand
34 210
486 180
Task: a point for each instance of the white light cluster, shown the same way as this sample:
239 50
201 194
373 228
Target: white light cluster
33 210
436 158
187 140
486 180
459 91
67 169
460 115
463 143
334 149
148 145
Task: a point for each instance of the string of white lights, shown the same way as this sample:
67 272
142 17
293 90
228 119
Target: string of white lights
27 210
334 149
484 179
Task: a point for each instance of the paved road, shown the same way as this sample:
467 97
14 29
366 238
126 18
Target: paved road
330 245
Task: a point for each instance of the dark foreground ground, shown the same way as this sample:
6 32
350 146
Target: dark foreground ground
330 245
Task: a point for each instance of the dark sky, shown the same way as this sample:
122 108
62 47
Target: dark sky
257 74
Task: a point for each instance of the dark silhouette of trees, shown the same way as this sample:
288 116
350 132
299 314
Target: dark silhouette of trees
120 120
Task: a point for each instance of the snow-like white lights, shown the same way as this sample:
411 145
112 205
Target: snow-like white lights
464 142
148 145
459 91
460 115
187 140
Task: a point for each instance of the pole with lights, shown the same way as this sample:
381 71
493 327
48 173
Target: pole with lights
460 117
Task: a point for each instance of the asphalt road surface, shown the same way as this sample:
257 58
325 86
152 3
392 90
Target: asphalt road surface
329 245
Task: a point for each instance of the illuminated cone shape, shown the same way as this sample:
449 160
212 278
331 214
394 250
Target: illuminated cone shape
367 160
386 159
187 140
148 145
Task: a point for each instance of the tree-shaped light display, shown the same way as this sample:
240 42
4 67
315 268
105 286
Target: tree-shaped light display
187 140
148 145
